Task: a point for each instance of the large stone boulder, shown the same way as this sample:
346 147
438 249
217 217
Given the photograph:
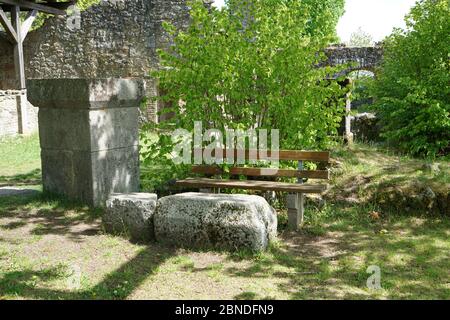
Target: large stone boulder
131 214
219 221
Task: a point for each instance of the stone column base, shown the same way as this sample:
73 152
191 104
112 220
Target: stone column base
89 136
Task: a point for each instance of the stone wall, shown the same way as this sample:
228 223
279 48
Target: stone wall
7 72
10 113
362 58
116 39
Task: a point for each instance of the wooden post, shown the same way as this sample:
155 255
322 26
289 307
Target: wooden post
18 48
295 204
17 32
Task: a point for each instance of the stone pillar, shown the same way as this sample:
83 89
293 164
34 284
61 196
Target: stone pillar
88 132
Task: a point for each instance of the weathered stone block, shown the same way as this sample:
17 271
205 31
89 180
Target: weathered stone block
85 93
89 130
131 214
90 176
89 136
199 220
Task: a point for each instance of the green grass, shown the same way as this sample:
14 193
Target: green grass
375 176
45 242
51 248
20 161
382 165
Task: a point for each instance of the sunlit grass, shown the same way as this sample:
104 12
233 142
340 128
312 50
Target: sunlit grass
20 159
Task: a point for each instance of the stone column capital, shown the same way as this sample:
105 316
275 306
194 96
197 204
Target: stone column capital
85 93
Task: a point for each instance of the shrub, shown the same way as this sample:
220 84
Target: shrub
412 89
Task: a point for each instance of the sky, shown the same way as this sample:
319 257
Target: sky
376 17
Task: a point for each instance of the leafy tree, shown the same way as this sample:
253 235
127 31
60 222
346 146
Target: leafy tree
258 74
324 17
360 38
412 88
252 65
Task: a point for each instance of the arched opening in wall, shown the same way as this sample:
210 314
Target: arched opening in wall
360 97
362 123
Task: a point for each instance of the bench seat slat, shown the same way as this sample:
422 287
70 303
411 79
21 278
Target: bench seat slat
261 172
284 155
252 185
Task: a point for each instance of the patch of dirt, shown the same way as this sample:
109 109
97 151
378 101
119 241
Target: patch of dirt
329 246
203 262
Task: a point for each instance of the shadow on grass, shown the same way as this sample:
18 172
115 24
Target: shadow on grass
51 216
413 263
118 284
31 178
413 258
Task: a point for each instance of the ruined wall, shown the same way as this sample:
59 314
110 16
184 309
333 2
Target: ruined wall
119 38
7 73
10 113
115 39
362 58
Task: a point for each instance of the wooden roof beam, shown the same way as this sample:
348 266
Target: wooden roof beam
56 5
7 25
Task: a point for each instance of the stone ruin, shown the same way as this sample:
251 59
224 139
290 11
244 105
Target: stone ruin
114 39
359 58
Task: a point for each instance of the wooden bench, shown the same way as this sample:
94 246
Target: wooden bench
296 191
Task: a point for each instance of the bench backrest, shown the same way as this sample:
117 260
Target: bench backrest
284 155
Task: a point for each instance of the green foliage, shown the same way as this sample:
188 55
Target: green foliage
412 88
362 99
325 15
252 66
84 4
